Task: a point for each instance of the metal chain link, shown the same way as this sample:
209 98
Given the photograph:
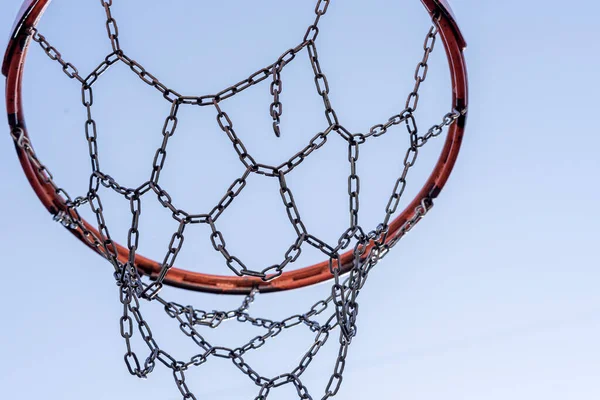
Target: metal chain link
413 97
321 81
111 25
68 68
368 250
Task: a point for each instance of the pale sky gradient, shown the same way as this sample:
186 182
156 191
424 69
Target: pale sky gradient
493 296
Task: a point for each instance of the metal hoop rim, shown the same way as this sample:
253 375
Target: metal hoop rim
13 66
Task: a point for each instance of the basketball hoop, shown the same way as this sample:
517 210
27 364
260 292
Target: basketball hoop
370 245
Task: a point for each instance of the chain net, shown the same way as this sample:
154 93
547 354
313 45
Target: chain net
339 310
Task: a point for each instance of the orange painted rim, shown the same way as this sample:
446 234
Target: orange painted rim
14 60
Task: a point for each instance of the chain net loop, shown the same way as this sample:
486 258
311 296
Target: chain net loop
337 313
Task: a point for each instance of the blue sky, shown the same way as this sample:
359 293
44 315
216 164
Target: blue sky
494 295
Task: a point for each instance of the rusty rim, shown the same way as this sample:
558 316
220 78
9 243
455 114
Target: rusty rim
15 56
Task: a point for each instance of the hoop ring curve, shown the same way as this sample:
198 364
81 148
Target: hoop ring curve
13 66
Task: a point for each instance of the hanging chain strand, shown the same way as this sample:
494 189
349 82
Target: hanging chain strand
369 248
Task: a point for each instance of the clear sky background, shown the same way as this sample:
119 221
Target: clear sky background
494 295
